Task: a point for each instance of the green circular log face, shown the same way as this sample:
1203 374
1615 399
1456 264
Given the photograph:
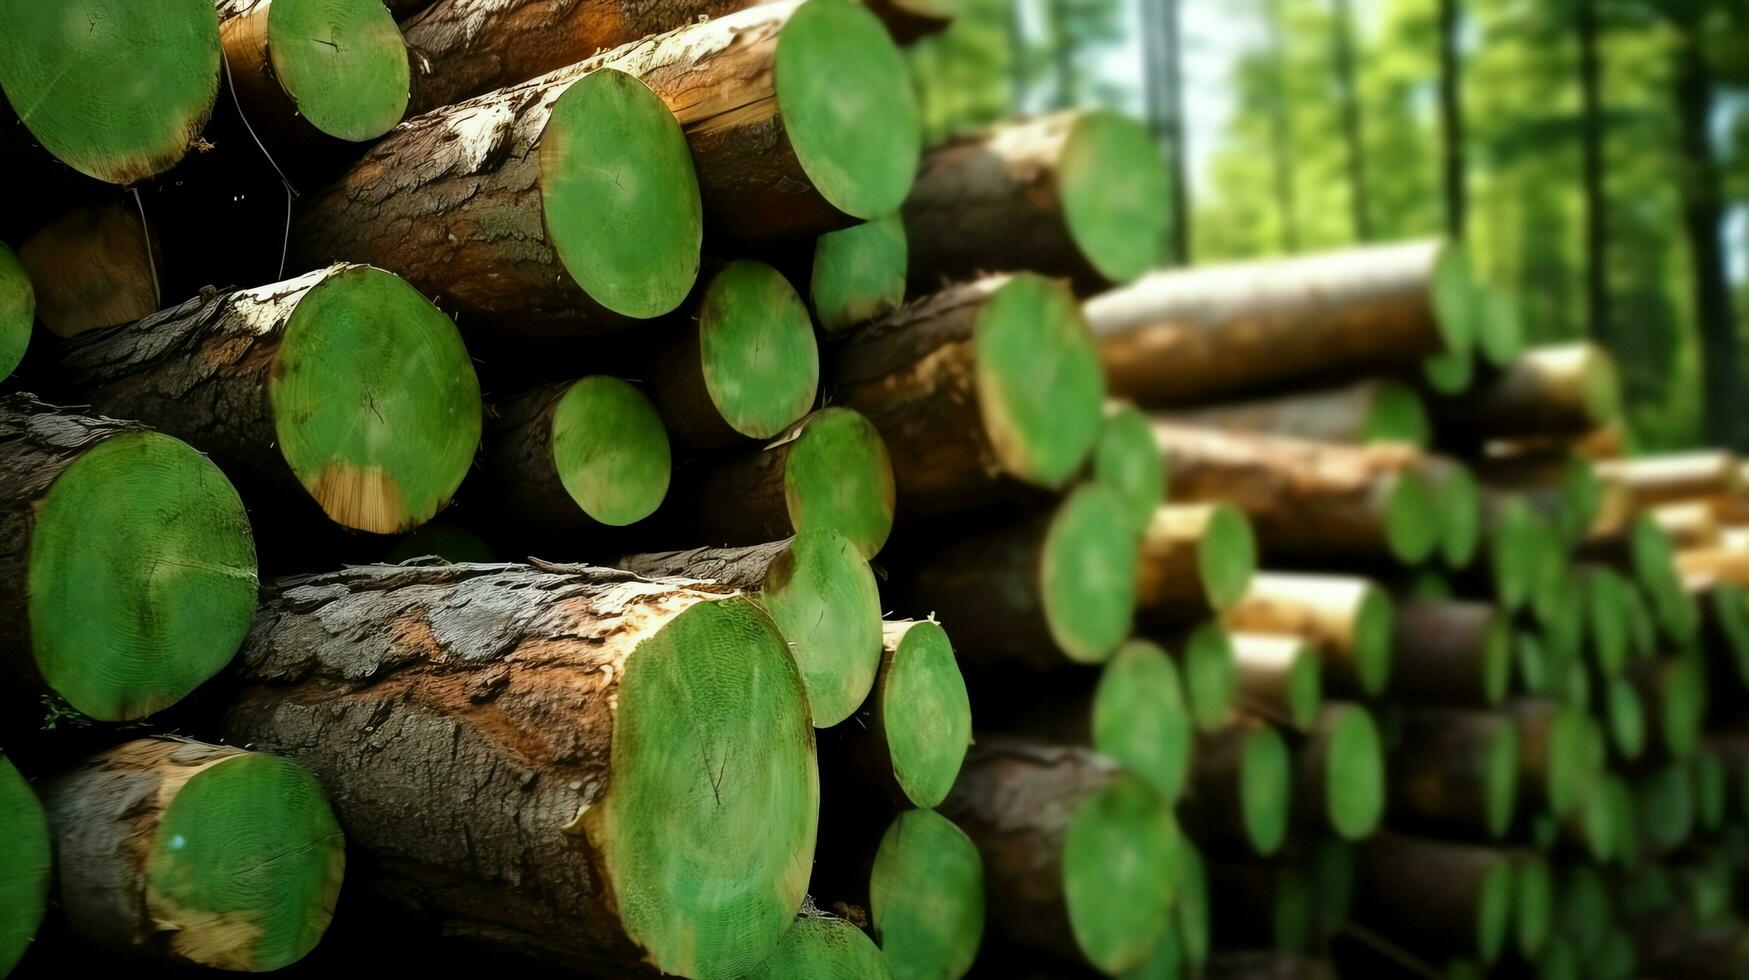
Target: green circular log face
247 860
707 829
1166 962
1398 416
1265 788
1088 575
926 713
619 195
17 311
1513 541
1226 556
1140 719
1212 675
859 273
1305 687
1568 766
1534 903
926 897
1497 659
1500 779
1499 327
1354 773
142 576
825 947
1128 461
1460 518
1120 859
611 451
374 401
822 595
837 475
1112 184
342 62
1626 716
25 865
1375 627
1454 299
1412 517
1664 805
1494 911
848 107
756 349
1606 615
1682 696
117 89
1040 386
1654 563
1450 373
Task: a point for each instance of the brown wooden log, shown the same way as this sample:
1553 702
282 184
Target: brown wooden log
1180 337
1363 413
1435 898
1195 560
1703 569
1561 391
1453 773
1452 652
1240 793
1348 620
643 738
1264 965
909 20
95 266
1690 525
1653 480
1278 677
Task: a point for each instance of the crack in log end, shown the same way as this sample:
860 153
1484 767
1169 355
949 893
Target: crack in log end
364 498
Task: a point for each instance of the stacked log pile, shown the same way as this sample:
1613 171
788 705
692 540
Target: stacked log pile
908 578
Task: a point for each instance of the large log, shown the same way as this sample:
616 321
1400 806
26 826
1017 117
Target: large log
18 306
1195 561
1349 621
801 116
95 266
926 896
569 763
1358 414
1435 898
73 73
822 595
1080 858
1181 337
1339 773
1241 788
1309 499
976 389
1138 717
195 854
344 387
26 865
1452 652
513 209
1453 772
1080 194
1563 390
127 570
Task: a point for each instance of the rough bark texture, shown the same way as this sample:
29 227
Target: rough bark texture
1303 498
1330 415
1442 646
741 500
461 720
95 266
1546 391
1186 336
742 569
987 591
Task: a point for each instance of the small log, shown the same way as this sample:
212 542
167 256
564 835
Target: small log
18 308
858 274
1126 460
1653 480
821 945
1241 788
1358 414
1563 391
1452 652
1196 561
26 865
1339 773
926 896
95 266
1435 898
1278 677
1453 773
1349 621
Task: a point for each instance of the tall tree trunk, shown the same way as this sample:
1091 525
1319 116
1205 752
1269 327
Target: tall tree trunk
1353 131
1596 200
1451 114
1281 141
1162 60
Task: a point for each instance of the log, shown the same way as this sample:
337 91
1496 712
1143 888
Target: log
511 210
1190 919
1654 480
909 20
910 736
18 304
1452 652
746 366
1188 336
95 266
977 390
1625 717
1196 561
926 896
1690 525
829 470
822 945
1663 801
1241 786
1555 753
1674 693
1359 414
26 866
73 76
1533 903
1563 488
195 855
1211 675
1562 390
1278 677
1436 898
1339 773
343 386
1078 194
1608 596
1058 586
1262 906
1139 717
1126 460
820 592
127 570
857 274
1080 859
1349 622
575 456
1310 499
1527 557
1705 569
1652 559
1462 510
308 73
1453 773
575 704
801 117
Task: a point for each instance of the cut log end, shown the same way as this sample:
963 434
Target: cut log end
1653 560
1499 326
1039 383
75 81
1625 715
25 865
847 104
757 351
1460 517
142 576
619 195
926 896
926 712
1128 461
1279 677
1265 788
1454 296
838 476
1114 195
1494 911
1500 766
1374 640
1140 718
1450 373
1533 904
17 311
827 947
1412 517
859 273
1120 860
1088 575
822 595
734 792
610 450
1211 673
1397 415
1354 763
375 403
342 63
1226 556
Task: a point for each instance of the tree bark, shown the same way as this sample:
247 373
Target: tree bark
1189 336
1562 391
95 266
1358 414
441 706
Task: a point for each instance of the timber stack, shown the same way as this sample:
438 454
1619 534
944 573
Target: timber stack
907 576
